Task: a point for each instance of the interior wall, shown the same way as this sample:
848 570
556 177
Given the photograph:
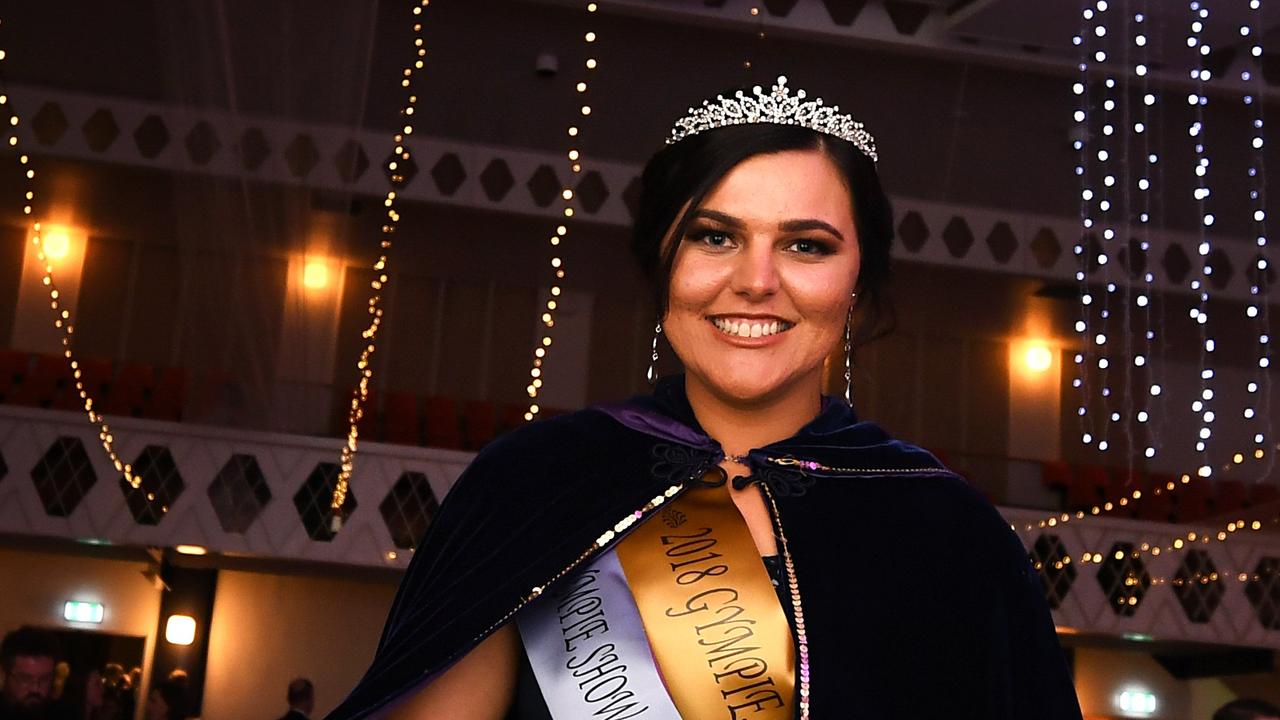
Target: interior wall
36 584
1101 675
268 629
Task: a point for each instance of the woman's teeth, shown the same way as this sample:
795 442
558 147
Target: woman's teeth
750 328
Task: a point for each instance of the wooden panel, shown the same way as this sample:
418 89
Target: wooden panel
410 333
894 374
986 401
460 335
941 379
515 311
103 292
153 317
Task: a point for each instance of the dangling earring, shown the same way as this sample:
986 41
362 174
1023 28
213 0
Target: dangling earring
848 353
652 375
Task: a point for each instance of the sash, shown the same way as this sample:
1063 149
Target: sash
589 652
680 620
710 610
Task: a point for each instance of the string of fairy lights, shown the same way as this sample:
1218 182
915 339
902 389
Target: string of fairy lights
369 335
1257 310
61 315
1083 92
552 304
1142 126
1200 284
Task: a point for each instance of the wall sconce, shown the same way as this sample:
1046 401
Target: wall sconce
315 274
1037 358
191 549
57 243
180 630
81 611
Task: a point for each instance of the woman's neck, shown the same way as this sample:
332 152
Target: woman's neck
741 426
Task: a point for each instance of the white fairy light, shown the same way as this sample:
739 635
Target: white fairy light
548 315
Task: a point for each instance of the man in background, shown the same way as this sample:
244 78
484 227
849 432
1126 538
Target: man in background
302 699
1247 709
27 659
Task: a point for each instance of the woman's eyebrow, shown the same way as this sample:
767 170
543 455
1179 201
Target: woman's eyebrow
722 218
809 224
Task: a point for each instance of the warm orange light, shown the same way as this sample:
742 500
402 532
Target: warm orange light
315 275
56 244
1038 358
191 549
180 629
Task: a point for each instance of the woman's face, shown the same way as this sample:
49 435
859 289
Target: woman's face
761 284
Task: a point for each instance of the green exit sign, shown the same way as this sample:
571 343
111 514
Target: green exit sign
84 612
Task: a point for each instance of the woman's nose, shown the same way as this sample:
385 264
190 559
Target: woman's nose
756 274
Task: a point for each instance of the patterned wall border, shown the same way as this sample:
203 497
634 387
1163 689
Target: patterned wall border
512 180
54 483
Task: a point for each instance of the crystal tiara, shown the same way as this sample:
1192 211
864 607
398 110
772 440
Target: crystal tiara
777 106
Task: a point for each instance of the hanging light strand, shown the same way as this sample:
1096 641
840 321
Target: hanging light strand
1142 127
1084 171
369 336
1257 410
1107 166
554 298
1202 192
61 315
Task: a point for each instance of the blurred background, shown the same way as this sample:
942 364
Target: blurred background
211 176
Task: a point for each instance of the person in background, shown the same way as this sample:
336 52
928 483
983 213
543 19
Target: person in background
82 697
27 659
1247 709
301 697
166 701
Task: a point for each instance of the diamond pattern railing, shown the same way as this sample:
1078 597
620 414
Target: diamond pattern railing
238 493
63 476
159 485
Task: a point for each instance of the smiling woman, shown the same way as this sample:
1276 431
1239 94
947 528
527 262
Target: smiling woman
602 564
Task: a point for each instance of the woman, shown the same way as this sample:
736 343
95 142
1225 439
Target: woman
600 565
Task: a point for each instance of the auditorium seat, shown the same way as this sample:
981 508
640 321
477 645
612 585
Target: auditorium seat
1231 496
14 366
480 423
166 399
1089 487
400 421
131 389
1193 499
1263 493
443 426
46 384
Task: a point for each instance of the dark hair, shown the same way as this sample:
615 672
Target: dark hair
1246 709
27 641
300 690
678 178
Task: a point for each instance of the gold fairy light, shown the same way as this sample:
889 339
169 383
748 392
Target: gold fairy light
61 315
360 395
548 317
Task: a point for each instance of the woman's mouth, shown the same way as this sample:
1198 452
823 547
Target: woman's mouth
750 327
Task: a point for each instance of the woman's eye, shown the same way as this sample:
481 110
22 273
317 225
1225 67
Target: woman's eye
810 247
712 238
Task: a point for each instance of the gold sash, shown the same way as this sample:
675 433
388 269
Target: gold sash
712 616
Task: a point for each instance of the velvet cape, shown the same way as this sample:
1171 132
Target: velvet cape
920 600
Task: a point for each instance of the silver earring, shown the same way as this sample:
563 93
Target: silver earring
652 375
848 354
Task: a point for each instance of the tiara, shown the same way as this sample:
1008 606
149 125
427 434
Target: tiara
779 107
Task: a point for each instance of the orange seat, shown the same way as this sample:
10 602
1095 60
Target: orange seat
400 423
131 389
443 427
14 366
1263 493
1056 474
510 417
166 399
1193 499
1231 496
1088 488
480 423
1153 507
46 384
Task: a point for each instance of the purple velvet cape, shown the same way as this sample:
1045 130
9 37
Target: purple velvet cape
919 599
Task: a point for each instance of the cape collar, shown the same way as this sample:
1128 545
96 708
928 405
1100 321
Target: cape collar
833 440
